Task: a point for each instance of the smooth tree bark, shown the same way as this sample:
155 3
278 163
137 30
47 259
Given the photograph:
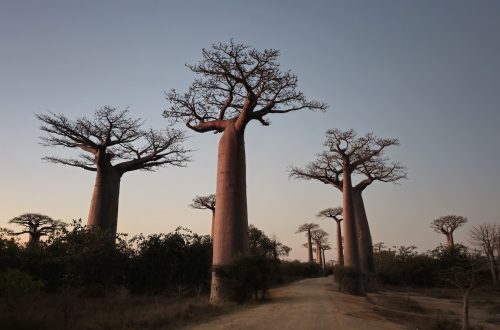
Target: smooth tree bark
377 169
485 237
446 225
345 154
336 215
324 248
205 203
308 228
236 85
113 144
36 225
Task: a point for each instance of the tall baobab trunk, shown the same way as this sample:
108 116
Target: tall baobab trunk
340 249
324 260
230 235
103 213
365 244
351 251
309 245
449 239
319 259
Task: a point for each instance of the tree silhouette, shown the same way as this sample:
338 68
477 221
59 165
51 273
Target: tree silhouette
205 203
236 85
336 215
485 236
307 228
36 225
346 155
446 225
113 144
319 236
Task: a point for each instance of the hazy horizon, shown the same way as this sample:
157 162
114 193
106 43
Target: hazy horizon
425 72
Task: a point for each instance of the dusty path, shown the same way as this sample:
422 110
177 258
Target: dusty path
307 304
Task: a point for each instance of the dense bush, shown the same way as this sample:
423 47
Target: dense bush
405 266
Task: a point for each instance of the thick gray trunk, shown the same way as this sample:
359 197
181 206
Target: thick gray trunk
340 249
213 220
449 239
318 255
365 244
351 251
103 213
493 269
324 260
230 235
309 245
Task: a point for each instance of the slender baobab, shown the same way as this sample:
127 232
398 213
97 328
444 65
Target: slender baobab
205 203
485 236
236 85
345 155
319 236
113 144
336 215
308 228
446 225
325 247
36 225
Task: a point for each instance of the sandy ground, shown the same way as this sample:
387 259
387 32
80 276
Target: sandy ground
307 304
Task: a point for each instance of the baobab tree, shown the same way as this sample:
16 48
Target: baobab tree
113 144
36 225
205 203
236 85
336 215
319 236
308 228
485 237
346 155
446 225
325 247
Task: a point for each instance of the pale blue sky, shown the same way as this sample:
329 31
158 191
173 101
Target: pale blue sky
426 72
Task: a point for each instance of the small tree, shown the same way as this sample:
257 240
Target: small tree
336 215
113 144
485 236
307 228
446 225
36 225
205 203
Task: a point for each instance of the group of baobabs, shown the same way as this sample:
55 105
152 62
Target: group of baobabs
235 85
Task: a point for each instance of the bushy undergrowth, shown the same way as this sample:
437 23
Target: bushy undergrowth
406 267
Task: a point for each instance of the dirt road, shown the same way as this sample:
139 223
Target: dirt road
307 304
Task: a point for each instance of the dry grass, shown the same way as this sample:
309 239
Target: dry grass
438 308
117 311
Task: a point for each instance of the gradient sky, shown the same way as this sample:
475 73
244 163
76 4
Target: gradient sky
426 72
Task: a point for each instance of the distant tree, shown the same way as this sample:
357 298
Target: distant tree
205 203
346 155
485 237
380 246
236 85
336 215
113 144
325 247
446 225
307 228
36 225
319 236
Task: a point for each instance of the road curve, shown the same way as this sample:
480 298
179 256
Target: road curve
307 304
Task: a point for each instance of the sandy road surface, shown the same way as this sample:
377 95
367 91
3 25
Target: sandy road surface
307 304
